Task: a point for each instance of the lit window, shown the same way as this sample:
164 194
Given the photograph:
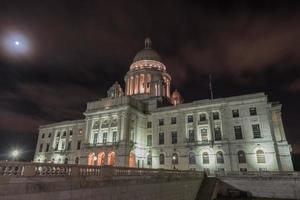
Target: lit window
235 113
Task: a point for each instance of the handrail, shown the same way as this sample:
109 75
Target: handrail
24 169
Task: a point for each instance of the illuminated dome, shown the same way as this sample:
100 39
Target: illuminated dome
147 53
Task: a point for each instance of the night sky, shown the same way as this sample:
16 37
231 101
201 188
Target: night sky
75 50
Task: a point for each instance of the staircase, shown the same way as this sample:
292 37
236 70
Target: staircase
207 189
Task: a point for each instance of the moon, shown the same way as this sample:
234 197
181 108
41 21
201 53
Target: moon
16 44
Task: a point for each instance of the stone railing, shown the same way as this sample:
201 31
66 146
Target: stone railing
258 174
23 169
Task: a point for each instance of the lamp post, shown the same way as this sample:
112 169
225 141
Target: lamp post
173 161
15 154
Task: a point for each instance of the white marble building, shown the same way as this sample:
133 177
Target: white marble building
147 127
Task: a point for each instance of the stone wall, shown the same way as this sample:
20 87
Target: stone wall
68 188
283 187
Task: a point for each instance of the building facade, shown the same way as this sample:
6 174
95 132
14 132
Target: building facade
148 127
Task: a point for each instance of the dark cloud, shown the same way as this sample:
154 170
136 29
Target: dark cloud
79 48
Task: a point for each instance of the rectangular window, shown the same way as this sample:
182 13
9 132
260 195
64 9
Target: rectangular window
204 135
63 146
114 139
149 140
104 140
243 169
56 146
47 147
216 115
252 111
149 125
43 135
218 134
161 122
235 113
173 120
161 138
69 145
95 140
71 132
191 136
149 160
202 117
238 132
256 131
64 133
78 144
41 147
190 119
49 135
174 137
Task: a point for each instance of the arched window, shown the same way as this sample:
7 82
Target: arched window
112 158
91 159
66 161
175 159
76 160
205 158
241 157
220 157
260 156
161 159
101 159
132 162
149 159
192 158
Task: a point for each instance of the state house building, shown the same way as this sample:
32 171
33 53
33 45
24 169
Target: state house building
148 126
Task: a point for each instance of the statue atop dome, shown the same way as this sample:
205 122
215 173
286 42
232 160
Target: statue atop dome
148 43
115 91
176 98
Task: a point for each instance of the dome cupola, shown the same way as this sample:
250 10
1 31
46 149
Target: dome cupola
147 76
